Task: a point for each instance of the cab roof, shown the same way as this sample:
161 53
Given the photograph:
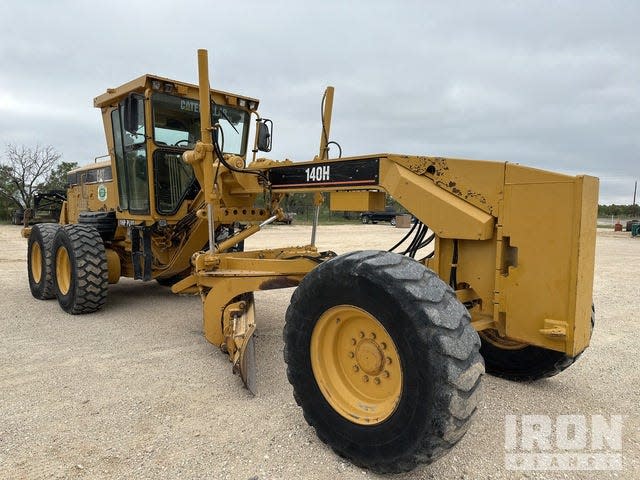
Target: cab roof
113 95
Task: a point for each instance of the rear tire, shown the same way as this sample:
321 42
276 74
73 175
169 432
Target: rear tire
80 272
418 318
39 260
366 219
527 363
105 223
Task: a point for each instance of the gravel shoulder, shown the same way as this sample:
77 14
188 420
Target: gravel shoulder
135 391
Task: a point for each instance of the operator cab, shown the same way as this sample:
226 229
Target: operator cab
149 123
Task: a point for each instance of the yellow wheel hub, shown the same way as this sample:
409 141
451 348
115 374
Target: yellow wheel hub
356 365
36 262
63 270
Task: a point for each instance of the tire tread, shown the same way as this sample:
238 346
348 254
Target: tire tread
85 244
528 364
447 335
43 233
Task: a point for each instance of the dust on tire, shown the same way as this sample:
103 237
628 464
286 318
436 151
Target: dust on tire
41 237
87 291
439 350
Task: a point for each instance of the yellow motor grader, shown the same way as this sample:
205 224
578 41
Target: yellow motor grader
385 351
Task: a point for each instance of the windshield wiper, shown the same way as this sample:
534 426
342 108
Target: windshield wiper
225 117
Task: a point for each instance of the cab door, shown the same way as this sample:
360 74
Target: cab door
131 155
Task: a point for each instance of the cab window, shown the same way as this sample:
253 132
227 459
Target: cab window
174 181
176 122
131 155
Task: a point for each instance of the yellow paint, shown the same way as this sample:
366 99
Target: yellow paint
356 365
36 262
113 265
63 270
357 201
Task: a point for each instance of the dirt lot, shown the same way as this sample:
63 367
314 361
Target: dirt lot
134 391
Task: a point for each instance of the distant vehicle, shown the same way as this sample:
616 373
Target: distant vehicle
630 224
389 215
288 218
46 208
17 216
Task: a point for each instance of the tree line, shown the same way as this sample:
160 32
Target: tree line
26 171
618 210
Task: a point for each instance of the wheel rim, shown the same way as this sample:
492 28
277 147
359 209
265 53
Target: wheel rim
504 343
36 262
356 365
63 270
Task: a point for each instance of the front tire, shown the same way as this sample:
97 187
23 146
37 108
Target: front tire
39 260
382 359
80 272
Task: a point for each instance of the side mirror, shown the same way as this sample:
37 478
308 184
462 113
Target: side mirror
265 135
131 113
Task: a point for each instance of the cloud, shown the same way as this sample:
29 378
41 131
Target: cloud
551 85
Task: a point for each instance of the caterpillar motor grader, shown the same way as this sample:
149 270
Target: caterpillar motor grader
385 352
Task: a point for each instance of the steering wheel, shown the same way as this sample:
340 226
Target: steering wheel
177 144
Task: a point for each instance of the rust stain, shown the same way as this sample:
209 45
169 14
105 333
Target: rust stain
442 176
477 196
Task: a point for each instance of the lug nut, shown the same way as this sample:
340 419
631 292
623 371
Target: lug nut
365 379
373 335
351 354
353 341
361 334
385 374
356 368
377 381
383 345
388 360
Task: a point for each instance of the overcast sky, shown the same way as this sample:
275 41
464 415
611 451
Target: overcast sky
548 84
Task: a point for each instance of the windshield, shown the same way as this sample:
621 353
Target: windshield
176 122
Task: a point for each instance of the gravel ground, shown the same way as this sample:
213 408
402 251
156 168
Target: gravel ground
134 391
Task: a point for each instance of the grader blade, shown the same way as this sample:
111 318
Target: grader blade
238 326
248 365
